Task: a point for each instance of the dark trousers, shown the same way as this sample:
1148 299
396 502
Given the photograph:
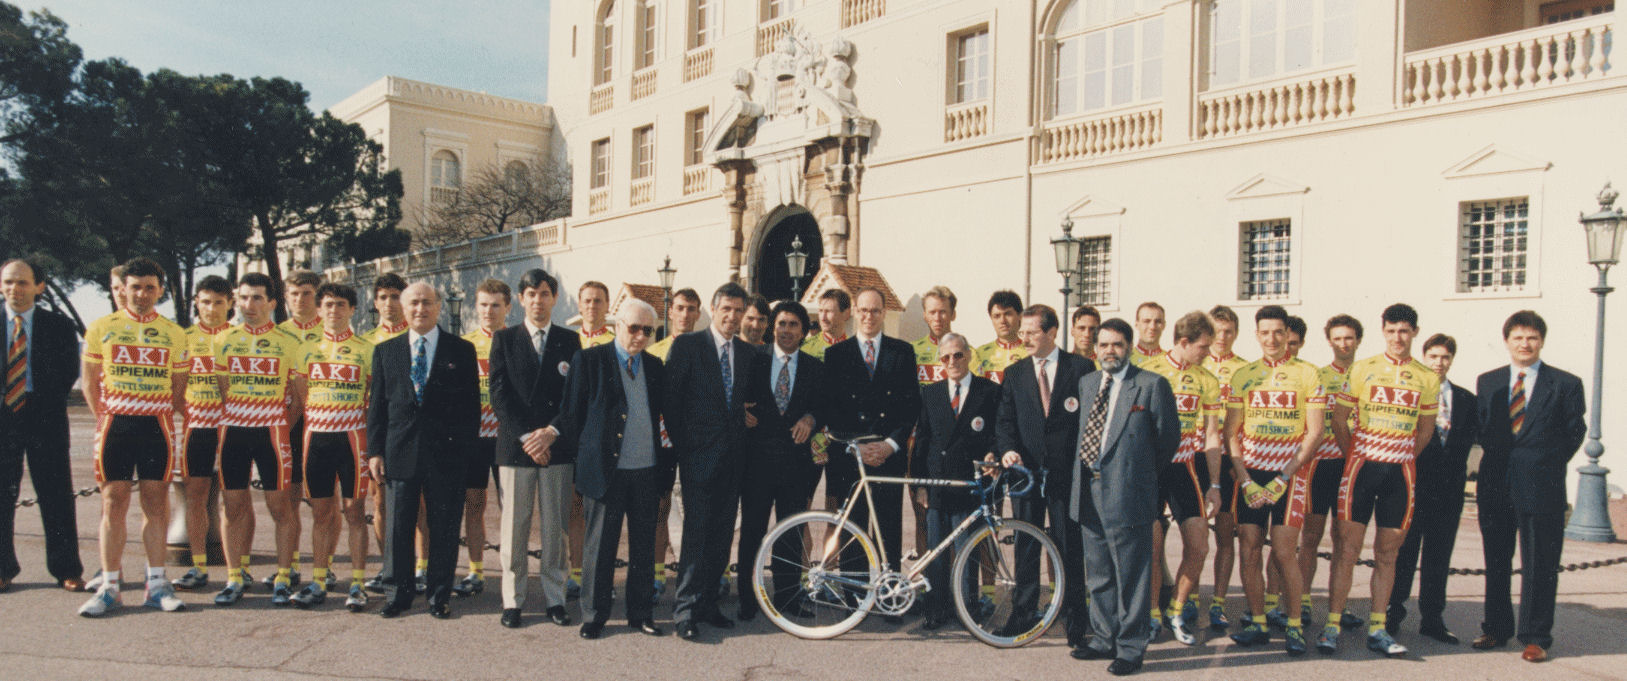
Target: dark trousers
443 507
1119 581
761 495
44 445
939 523
1433 534
1541 540
633 495
710 505
1498 529
1065 533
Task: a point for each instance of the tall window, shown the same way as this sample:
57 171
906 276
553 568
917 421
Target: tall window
643 152
1094 283
515 173
971 66
1263 272
1108 53
647 26
601 164
774 9
1492 241
695 135
445 176
1251 40
702 17
607 45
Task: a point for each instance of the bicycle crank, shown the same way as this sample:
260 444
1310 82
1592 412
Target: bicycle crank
894 594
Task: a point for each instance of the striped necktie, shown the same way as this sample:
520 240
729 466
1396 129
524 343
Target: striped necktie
1516 404
17 367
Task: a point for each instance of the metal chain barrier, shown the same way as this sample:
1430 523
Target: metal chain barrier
83 492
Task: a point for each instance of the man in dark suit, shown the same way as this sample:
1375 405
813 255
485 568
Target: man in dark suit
1531 424
1039 428
529 366
1442 468
1127 435
612 416
784 404
956 429
870 382
422 417
708 374
39 368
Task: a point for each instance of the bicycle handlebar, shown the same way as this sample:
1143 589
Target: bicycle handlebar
1022 487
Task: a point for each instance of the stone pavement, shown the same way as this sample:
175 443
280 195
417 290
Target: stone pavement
44 639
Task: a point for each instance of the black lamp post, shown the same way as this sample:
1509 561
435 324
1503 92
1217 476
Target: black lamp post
667 272
1067 262
454 305
1590 521
796 264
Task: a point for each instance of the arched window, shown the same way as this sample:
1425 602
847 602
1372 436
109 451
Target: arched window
648 25
1106 53
516 172
605 54
1253 40
445 176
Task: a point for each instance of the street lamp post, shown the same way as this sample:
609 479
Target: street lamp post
666 273
796 264
1590 520
454 306
1067 261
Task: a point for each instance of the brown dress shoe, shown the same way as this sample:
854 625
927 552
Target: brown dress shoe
1487 642
1534 653
73 584
5 584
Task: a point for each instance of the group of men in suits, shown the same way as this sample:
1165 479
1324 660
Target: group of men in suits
738 425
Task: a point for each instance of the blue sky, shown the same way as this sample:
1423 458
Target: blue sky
334 48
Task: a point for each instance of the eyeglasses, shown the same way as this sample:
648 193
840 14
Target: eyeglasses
641 329
952 357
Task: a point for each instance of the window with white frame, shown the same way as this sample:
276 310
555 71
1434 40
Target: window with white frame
1492 240
695 136
606 54
1093 285
600 168
1107 53
445 176
1253 40
774 9
702 22
1263 259
971 66
647 25
643 152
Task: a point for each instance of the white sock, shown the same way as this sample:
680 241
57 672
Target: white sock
110 580
154 573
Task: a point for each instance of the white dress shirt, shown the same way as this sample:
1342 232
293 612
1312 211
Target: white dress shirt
537 344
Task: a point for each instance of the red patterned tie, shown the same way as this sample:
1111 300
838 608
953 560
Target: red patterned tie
1044 388
954 402
870 357
1516 404
17 367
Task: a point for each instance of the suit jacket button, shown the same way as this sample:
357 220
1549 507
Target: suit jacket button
618 436
882 415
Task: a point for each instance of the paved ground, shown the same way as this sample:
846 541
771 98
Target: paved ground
44 639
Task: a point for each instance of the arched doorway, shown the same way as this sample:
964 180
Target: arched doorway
772 279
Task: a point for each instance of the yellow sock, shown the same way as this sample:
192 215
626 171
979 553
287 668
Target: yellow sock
576 574
1258 620
1295 623
1218 600
1174 606
358 576
201 564
423 564
284 576
1156 613
244 562
319 577
1375 623
660 570
1271 601
295 565
234 575
1305 601
476 568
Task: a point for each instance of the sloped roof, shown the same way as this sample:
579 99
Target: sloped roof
851 278
646 292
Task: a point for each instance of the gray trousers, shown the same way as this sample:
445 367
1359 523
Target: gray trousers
547 491
1118 574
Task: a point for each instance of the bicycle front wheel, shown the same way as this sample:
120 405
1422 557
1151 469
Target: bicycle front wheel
1026 595
824 591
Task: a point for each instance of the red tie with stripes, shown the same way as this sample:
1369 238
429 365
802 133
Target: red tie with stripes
1516 404
17 367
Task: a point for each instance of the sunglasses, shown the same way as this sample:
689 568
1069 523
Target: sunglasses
644 329
953 357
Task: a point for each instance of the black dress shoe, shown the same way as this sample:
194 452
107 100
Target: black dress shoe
746 614
558 616
646 626
1439 632
1089 653
717 619
1123 667
511 618
687 630
591 630
933 622
393 610
1487 642
440 611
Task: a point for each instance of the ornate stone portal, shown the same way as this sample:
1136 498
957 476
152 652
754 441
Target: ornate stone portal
792 135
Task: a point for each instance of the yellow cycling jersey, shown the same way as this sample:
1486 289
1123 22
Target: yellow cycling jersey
258 364
1197 397
307 332
991 358
1389 397
337 369
590 339
202 393
1274 398
1333 381
1223 368
488 416
927 367
384 332
1140 355
138 355
818 343
661 347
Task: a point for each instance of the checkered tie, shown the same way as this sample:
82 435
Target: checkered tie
1516 404
420 369
782 387
17 367
1090 446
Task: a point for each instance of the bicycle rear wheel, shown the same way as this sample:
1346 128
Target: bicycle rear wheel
820 594
1026 596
